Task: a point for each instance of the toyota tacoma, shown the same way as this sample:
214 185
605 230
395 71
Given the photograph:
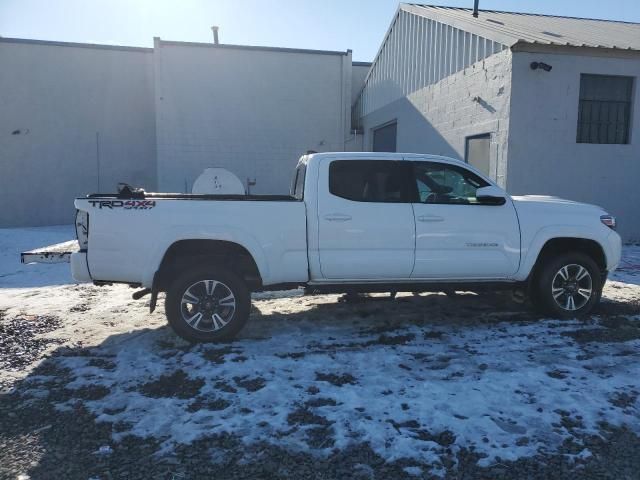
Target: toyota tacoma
353 222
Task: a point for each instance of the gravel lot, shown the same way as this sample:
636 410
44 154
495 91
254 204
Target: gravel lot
430 386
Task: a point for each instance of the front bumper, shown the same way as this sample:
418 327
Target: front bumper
79 267
614 251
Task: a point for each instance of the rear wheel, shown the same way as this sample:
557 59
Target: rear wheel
568 285
208 305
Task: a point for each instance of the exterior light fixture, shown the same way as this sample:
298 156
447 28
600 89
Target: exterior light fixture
544 66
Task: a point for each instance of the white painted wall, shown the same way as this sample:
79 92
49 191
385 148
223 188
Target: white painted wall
437 118
252 111
544 157
59 96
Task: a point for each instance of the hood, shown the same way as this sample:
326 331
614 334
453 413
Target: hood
554 202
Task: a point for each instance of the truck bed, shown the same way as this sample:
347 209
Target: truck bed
193 196
130 232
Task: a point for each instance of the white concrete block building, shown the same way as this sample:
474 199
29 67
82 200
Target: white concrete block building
542 104
252 110
74 119
80 118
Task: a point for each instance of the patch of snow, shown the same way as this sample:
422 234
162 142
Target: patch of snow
414 471
487 386
629 269
104 450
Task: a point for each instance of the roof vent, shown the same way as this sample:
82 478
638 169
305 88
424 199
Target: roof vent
475 8
551 34
214 29
494 21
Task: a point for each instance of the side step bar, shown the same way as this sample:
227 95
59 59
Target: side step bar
58 253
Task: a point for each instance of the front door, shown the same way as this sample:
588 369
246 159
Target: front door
366 225
458 237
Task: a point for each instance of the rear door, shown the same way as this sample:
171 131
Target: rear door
366 224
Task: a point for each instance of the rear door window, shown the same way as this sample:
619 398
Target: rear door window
384 181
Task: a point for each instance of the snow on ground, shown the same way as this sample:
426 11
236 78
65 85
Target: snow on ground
417 377
629 269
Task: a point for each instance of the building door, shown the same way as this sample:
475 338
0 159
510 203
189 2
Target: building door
476 153
365 220
384 138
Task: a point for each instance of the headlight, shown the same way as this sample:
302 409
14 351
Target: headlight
609 221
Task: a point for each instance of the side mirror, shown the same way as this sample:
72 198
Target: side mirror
491 195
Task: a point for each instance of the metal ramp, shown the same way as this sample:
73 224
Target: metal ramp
57 253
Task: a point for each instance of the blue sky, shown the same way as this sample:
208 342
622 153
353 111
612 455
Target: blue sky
319 24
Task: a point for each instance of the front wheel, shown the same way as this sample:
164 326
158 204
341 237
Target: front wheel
568 285
208 305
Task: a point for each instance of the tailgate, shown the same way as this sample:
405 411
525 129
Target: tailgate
57 253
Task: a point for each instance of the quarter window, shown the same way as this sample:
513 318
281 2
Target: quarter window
604 111
297 187
443 183
369 180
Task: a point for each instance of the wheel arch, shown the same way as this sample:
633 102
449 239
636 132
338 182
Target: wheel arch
560 245
188 253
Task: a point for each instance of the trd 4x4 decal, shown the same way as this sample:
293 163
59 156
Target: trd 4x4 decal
125 204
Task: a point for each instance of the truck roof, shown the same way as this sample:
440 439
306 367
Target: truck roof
380 156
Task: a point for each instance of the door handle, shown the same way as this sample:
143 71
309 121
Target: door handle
430 218
337 217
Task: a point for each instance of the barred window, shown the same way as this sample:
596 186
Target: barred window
605 109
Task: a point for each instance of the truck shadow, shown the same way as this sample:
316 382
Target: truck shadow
379 312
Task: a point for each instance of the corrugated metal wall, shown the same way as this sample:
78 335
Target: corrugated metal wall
418 52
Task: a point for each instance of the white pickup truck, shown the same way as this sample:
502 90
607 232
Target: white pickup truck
354 222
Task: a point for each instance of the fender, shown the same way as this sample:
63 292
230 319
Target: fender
531 252
223 233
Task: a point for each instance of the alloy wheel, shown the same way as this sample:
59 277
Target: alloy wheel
208 305
572 287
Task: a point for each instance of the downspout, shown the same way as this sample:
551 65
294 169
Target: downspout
344 140
345 107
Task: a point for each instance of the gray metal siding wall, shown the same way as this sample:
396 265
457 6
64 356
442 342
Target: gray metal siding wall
437 118
418 52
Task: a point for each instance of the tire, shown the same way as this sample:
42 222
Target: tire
208 313
564 282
